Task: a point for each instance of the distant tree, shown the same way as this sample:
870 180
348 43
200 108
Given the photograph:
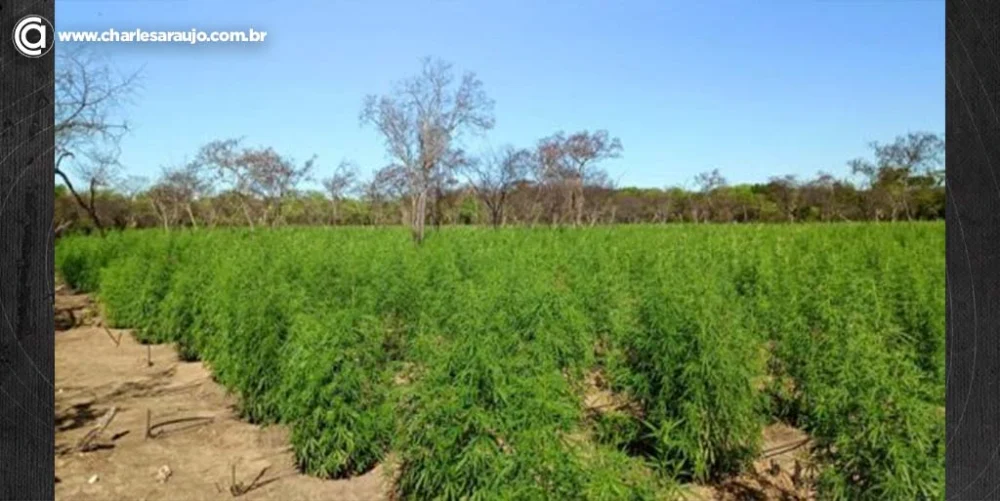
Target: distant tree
553 177
584 151
890 178
784 191
495 175
821 194
163 198
274 179
708 184
254 174
181 187
421 121
340 184
133 186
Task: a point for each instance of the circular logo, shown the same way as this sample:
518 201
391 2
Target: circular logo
33 36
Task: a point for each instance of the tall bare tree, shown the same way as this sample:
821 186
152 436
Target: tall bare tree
89 95
421 123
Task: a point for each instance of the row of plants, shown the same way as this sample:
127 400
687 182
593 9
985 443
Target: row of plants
469 357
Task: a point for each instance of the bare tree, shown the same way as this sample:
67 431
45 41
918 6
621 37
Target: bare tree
163 198
87 133
566 165
185 185
584 151
273 178
102 171
254 175
553 177
421 123
495 175
221 158
342 182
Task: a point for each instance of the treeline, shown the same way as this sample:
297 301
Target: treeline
257 187
425 124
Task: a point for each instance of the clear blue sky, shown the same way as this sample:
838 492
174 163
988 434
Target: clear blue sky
753 88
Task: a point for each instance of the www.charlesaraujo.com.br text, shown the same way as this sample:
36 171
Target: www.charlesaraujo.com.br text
192 36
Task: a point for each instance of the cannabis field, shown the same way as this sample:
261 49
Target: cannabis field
468 358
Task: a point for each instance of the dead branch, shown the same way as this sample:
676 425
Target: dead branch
150 433
237 489
85 444
117 341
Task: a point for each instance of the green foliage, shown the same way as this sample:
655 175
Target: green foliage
468 356
334 390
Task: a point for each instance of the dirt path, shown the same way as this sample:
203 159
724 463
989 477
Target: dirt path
196 437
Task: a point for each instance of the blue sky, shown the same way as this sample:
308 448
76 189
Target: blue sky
753 88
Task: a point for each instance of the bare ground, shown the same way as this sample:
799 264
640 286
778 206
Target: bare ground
196 441
198 448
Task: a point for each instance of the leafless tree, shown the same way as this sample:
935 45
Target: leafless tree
163 199
340 184
102 171
273 179
421 123
185 184
495 175
89 94
254 174
554 178
566 165
584 151
222 159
